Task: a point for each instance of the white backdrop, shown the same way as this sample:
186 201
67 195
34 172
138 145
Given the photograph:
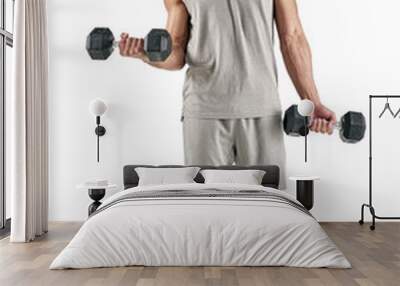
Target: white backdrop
356 48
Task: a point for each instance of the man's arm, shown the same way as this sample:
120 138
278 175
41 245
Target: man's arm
177 26
298 60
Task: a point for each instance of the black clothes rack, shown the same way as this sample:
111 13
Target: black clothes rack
370 204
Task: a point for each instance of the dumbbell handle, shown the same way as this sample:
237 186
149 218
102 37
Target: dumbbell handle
116 44
337 125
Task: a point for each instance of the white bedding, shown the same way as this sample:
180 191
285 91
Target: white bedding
193 231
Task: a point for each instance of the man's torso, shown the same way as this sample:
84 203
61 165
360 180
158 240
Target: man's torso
232 69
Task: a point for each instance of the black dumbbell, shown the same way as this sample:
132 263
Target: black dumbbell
352 125
100 44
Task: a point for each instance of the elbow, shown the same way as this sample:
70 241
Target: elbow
178 54
177 59
177 66
180 65
174 66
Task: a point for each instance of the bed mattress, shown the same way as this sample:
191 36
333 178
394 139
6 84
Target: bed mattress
201 225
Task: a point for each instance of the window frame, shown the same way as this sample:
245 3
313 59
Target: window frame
6 39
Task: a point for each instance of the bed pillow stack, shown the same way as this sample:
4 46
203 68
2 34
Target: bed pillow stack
166 176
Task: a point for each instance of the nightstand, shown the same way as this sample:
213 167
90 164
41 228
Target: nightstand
96 193
305 190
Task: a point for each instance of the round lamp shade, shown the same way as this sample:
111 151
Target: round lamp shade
306 108
97 107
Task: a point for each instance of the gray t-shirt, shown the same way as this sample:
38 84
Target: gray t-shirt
232 68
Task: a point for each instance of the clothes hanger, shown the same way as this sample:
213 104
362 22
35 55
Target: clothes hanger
388 108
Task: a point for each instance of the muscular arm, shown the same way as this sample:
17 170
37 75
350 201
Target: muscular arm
177 26
298 60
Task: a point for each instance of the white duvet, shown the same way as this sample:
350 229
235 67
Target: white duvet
200 232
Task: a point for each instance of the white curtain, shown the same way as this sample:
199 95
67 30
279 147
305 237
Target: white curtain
27 121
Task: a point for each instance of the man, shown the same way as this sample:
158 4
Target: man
231 109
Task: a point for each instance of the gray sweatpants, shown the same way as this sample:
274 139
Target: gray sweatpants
244 142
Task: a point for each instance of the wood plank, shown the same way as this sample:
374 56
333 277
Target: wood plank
375 257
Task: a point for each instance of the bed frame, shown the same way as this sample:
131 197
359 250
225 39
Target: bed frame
271 178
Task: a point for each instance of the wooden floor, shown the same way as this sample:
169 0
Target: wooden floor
375 257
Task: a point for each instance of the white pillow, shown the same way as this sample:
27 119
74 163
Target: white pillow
247 177
166 176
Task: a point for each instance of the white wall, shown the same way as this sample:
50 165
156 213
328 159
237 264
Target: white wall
356 52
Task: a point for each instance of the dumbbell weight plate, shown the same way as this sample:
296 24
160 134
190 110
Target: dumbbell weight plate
353 127
100 43
294 124
158 45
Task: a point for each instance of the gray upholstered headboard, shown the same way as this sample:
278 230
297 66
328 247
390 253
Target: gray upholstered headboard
271 178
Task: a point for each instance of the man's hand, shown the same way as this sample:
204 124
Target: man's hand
132 47
323 120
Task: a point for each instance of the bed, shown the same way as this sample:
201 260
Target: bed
198 224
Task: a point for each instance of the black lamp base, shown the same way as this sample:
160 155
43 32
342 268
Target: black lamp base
305 193
96 195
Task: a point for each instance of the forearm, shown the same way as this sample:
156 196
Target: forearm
298 60
297 56
295 49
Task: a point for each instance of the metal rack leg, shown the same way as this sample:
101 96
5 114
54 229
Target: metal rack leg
372 210
374 216
361 221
